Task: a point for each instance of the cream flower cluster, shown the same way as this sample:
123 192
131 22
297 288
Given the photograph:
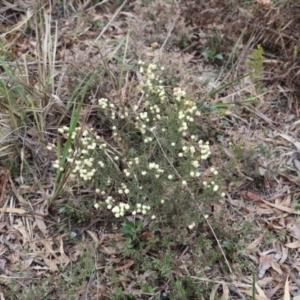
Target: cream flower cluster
187 110
152 111
156 168
82 154
105 105
205 149
134 168
123 189
151 83
141 208
178 93
211 185
192 152
133 165
110 201
120 209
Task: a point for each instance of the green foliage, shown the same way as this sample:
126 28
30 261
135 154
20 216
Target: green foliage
131 230
150 159
186 288
212 54
256 63
99 23
77 211
229 246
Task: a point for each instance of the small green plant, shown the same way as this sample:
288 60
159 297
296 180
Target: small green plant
78 211
147 288
99 23
229 246
131 231
256 63
212 54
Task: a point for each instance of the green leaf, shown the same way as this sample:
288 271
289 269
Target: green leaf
229 246
219 56
139 224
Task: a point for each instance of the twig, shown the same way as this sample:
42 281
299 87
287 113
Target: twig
235 290
111 20
169 33
236 284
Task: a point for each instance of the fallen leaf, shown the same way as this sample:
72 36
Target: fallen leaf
291 140
287 290
41 225
3 224
276 267
107 250
293 245
254 244
39 268
264 2
264 211
266 261
225 295
285 253
51 263
25 264
47 244
19 211
257 297
297 164
64 259
252 196
21 228
283 208
265 281
93 236
287 199
260 291
272 291
145 235
214 291
294 228
17 194
126 266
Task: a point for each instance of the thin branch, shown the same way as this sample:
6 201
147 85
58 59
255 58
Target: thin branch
110 21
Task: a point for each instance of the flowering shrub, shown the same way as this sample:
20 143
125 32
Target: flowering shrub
159 167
